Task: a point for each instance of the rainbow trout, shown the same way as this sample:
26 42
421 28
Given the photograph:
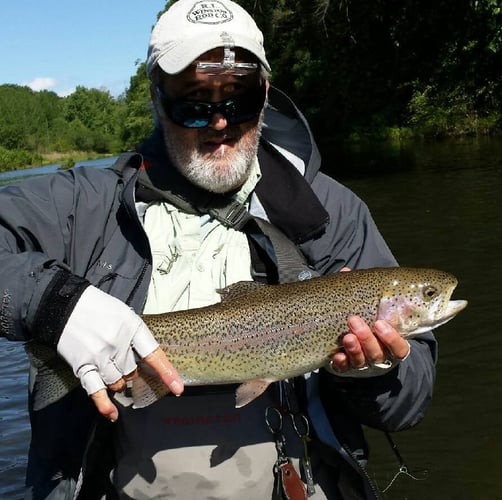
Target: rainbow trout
259 334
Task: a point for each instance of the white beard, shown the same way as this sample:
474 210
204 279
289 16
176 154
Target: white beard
221 172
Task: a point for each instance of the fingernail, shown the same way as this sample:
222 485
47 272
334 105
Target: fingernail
355 323
176 387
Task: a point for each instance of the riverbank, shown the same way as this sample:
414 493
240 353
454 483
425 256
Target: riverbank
390 138
69 159
16 159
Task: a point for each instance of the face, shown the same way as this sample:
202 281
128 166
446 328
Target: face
218 156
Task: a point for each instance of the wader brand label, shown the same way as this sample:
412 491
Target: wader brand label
209 13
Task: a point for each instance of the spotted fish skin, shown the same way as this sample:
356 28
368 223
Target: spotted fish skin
259 334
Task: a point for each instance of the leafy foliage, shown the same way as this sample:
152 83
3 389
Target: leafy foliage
351 63
88 120
356 68
137 118
16 158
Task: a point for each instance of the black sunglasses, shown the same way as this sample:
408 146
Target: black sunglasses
198 114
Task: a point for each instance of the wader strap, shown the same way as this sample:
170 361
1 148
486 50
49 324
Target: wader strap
192 200
234 215
290 262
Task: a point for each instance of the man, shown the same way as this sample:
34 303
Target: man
231 164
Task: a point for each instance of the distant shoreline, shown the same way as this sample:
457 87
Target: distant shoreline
66 160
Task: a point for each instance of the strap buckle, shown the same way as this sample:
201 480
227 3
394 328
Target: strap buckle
234 215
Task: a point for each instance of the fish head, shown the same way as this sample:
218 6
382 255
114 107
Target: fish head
415 301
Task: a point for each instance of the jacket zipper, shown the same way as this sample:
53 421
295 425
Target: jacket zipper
363 472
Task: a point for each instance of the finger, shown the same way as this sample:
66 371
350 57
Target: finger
104 405
371 347
166 371
121 384
95 387
340 362
353 350
110 373
143 341
128 362
396 345
131 376
345 269
118 386
90 379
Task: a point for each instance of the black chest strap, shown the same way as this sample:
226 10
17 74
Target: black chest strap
289 264
277 259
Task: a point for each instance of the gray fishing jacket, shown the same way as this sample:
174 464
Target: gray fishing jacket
61 229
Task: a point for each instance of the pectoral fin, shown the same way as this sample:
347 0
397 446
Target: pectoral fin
248 391
146 389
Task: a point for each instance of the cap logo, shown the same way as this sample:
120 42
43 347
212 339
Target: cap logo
209 13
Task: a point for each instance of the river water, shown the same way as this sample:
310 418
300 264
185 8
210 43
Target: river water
437 205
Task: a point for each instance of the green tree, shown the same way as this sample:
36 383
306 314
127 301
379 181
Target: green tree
26 117
353 65
137 117
96 115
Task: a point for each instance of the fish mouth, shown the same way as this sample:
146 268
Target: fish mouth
452 309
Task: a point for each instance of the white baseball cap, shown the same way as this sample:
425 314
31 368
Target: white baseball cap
190 27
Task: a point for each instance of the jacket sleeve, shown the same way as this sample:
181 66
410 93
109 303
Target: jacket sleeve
398 399
38 283
391 402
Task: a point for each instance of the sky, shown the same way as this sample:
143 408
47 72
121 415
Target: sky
58 45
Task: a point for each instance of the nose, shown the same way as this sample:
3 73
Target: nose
218 121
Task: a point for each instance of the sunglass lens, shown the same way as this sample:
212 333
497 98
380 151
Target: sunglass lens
236 110
189 114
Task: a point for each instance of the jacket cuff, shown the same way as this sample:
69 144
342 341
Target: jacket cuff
56 305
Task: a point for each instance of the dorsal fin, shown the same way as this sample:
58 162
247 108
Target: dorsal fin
239 290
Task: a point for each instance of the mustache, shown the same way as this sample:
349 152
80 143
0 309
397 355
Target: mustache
228 133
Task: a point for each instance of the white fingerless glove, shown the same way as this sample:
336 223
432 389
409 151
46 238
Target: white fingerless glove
100 338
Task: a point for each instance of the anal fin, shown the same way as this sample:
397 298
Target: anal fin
248 391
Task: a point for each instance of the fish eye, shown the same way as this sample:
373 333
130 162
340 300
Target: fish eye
430 292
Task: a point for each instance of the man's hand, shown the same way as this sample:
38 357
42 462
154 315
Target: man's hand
100 341
364 348
158 361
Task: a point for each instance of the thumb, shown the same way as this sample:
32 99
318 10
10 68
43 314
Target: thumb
165 370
